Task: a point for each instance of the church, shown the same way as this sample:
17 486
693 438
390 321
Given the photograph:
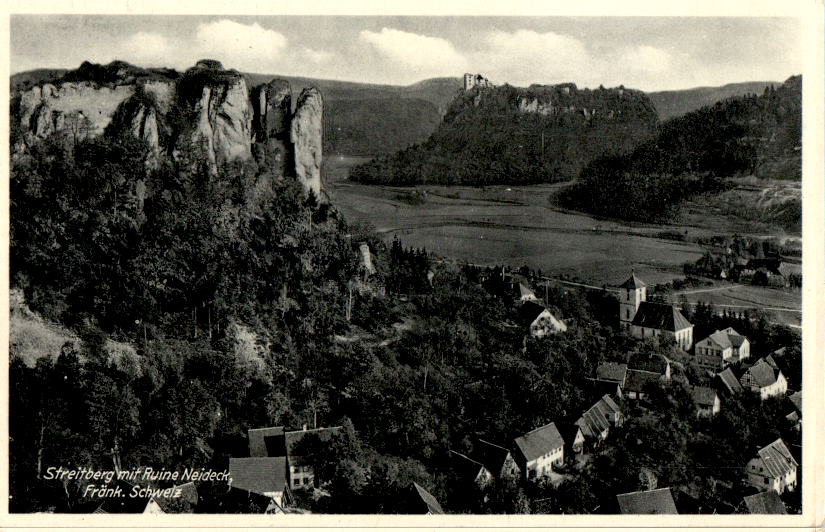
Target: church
645 319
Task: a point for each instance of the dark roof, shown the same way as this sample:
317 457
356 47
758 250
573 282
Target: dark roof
721 339
529 311
188 495
656 363
267 441
597 418
258 474
632 283
466 467
236 501
767 502
704 396
429 501
491 455
611 371
729 381
539 442
660 316
763 373
777 458
796 399
637 380
659 501
770 264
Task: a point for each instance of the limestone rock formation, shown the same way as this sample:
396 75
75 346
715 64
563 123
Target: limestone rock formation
307 138
272 108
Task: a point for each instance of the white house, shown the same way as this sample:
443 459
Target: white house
721 349
764 379
538 320
651 320
595 423
539 450
773 468
707 401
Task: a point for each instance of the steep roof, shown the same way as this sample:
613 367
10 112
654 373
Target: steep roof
659 501
777 458
737 340
611 371
597 418
721 339
638 379
523 291
539 442
796 399
466 466
267 441
258 474
704 396
632 283
766 502
491 455
429 501
660 316
530 310
729 381
763 374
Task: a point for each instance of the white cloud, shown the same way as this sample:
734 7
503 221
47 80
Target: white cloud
147 48
425 55
248 47
647 59
317 56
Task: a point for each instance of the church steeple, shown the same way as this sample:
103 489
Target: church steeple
631 294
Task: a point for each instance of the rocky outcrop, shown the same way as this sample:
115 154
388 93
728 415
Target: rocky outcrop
308 138
272 107
206 106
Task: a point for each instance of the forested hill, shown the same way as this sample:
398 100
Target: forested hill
670 104
748 135
543 133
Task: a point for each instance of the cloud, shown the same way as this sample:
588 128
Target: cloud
317 56
248 47
147 48
647 59
425 55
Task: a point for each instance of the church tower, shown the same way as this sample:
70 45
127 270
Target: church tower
631 294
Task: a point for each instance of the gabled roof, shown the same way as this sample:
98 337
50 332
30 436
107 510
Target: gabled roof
777 458
721 339
638 379
704 396
763 374
468 468
632 283
766 502
539 442
267 441
259 474
429 501
659 501
660 316
796 399
523 291
597 418
771 362
611 371
729 381
491 455
737 340
530 310
124 504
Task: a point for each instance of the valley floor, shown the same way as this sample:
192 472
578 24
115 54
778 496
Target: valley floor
517 225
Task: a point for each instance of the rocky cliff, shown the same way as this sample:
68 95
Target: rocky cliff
206 106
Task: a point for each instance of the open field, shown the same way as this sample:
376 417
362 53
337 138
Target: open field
518 225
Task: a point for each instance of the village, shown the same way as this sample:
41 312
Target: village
274 475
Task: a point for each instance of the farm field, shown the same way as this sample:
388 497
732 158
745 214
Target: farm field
518 225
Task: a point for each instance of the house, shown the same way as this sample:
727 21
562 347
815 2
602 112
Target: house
773 468
796 399
471 470
185 500
595 423
277 442
539 450
706 400
638 383
658 501
651 320
727 383
765 379
424 503
612 372
721 349
496 459
539 320
573 438
262 475
766 502
522 293
237 501
125 503
656 363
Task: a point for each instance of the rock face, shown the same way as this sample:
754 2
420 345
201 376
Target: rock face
206 106
308 139
272 107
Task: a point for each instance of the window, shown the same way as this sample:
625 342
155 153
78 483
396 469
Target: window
766 480
297 482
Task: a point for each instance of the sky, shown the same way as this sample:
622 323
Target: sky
647 53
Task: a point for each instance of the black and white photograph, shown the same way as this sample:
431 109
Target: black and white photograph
300 265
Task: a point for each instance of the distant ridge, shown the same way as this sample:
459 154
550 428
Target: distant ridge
679 102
